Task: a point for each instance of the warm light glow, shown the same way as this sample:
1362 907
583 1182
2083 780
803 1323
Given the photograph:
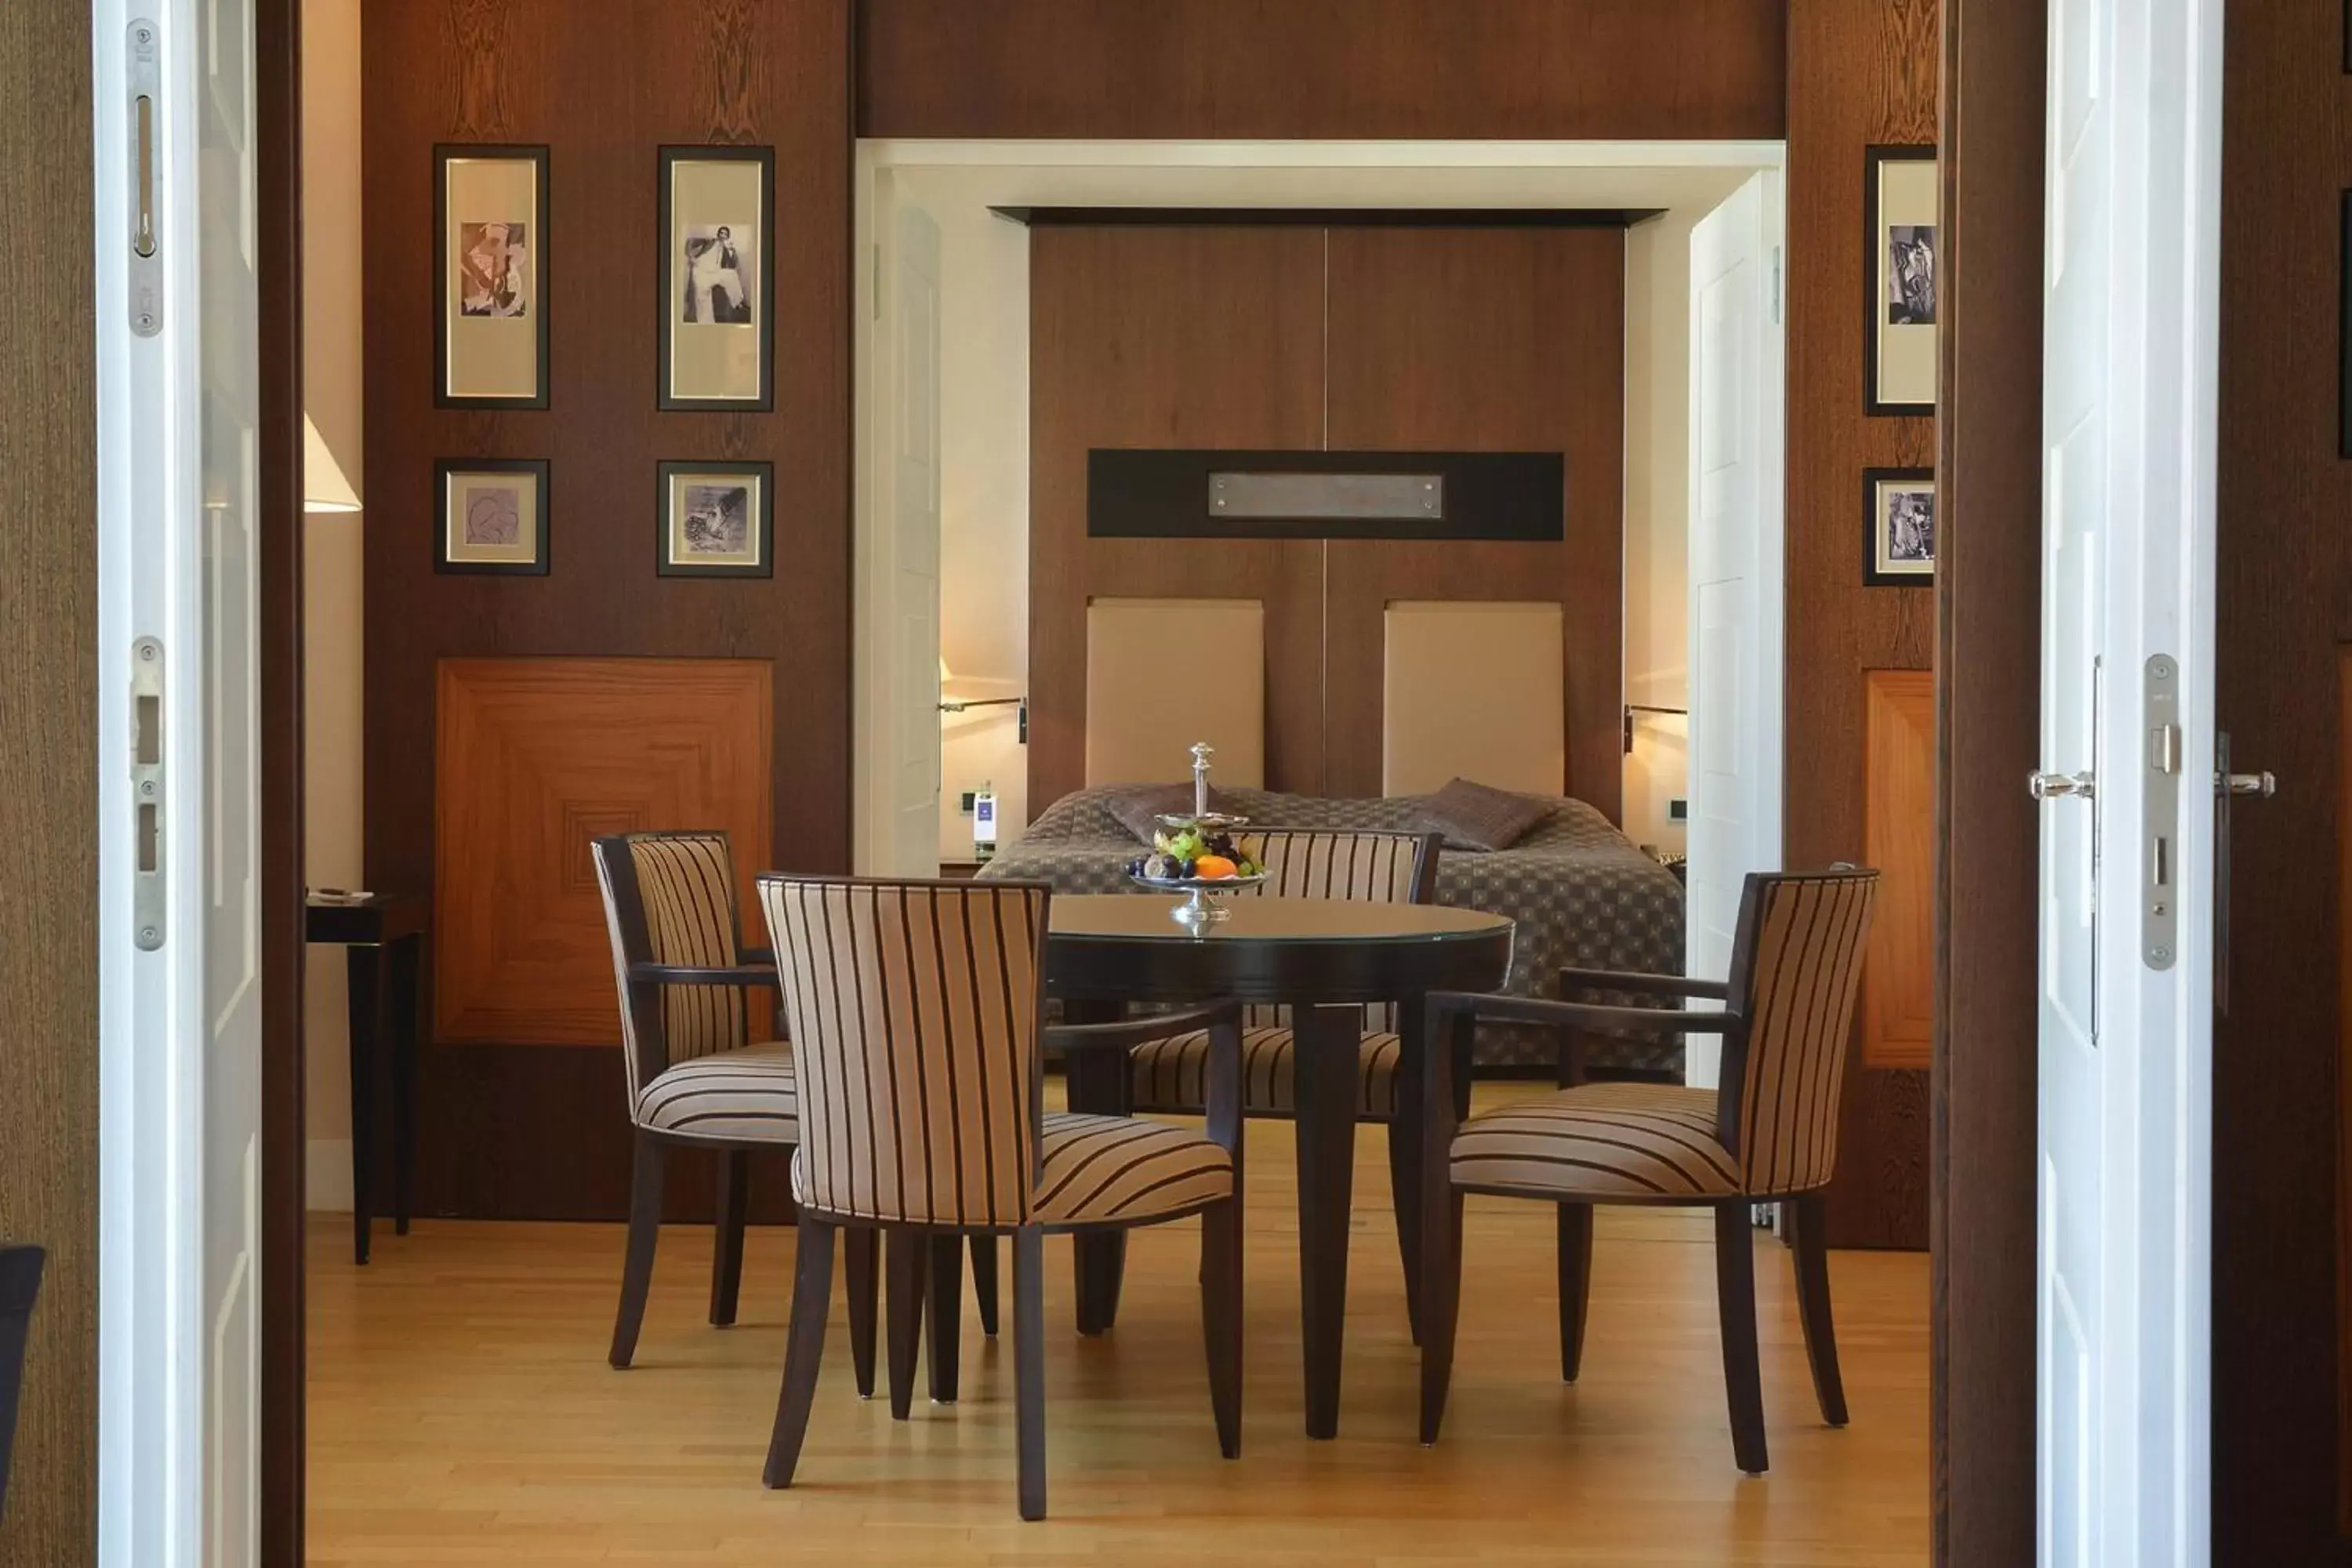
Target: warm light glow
324 488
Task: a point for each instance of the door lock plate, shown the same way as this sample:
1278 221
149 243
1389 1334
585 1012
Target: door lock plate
2160 868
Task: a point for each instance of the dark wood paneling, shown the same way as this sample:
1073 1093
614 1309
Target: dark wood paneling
1343 68
1482 340
603 83
49 781
2283 595
1898 988
1989 576
1169 337
1860 71
278 117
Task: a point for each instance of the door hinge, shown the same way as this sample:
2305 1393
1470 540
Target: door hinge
147 829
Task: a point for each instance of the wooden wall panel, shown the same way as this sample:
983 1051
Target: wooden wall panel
1898 991
1169 337
1483 339
2283 595
537 758
1860 71
603 83
1335 68
49 781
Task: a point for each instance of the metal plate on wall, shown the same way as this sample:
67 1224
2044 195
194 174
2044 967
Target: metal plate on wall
1177 494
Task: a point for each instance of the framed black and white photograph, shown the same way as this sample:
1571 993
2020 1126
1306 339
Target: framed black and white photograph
1898 546
493 516
1901 251
490 275
716 520
716 330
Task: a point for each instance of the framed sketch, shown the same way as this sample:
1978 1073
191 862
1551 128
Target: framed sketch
1902 247
716 521
716 327
1898 547
489 276
493 516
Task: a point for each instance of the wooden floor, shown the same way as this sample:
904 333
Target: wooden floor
461 1412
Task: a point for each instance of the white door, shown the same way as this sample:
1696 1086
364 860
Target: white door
1736 399
2127 873
180 981
899 732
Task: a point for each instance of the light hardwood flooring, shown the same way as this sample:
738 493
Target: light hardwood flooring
461 1411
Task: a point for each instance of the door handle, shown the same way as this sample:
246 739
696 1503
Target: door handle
2059 786
2261 786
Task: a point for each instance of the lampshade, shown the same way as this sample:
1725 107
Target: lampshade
945 674
324 488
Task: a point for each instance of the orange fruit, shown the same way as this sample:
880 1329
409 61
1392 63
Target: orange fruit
1214 869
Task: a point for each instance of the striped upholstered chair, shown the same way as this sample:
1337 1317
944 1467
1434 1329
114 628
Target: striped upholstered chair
915 1010
1364 864
1768 1134
697 1078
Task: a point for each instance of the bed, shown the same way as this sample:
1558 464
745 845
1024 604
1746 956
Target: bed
1583 894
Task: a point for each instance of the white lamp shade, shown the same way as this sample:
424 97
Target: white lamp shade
324 488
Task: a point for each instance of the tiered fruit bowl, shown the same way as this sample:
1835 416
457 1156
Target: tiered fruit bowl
1197 855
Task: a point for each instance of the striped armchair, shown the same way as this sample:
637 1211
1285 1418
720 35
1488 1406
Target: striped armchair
1769 1132
916 1011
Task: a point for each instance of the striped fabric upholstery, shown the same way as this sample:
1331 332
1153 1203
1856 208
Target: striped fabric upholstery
1173 1075
1628 1142
1356 864
1806 971
913 1009
737 1096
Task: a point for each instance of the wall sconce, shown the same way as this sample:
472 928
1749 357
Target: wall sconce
1633 708
965 704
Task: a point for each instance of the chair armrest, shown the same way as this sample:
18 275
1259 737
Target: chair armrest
1640 985
1444 1006
762 955
691 975
1125 1034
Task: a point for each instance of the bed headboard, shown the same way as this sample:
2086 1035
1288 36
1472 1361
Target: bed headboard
1163 673
1473 690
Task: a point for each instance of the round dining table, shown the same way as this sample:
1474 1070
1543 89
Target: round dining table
1326 959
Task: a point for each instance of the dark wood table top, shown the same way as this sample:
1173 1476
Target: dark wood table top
378 917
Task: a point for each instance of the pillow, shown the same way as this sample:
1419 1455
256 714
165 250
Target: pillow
1138 806
1473 817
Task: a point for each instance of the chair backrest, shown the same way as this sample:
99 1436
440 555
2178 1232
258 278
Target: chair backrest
1796 966
914 1011
20 1283
669 898
1362 864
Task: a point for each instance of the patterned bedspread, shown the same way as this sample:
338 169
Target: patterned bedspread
1581 893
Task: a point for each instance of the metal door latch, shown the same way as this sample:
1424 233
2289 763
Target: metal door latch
147 902
2058 786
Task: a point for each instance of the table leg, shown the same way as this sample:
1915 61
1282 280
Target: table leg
405 955
1103 1083
1406 1134
1326 1092
364 969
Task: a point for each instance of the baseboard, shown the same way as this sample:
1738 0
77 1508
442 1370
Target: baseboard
326 1176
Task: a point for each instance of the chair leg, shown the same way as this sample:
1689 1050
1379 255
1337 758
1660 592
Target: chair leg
1221 1318
863 1265
1029 1364
1813 1305
1734 1294
645 1230
1441 1296
945 1291
1575 1285
727 1249
984 1281
903 1253
804 1349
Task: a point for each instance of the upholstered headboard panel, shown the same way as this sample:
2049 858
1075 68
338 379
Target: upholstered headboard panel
1474 690
1163 673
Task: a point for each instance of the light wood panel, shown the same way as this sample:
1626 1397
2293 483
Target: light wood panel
537 758
1483 339
1898 980
49 781
462 1413
1860 71
1329 68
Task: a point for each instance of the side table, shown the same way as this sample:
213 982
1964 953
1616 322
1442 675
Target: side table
384 936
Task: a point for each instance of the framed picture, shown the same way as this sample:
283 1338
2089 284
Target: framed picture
493 516
489 276
1902 247
716 521
716 330
1898 546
